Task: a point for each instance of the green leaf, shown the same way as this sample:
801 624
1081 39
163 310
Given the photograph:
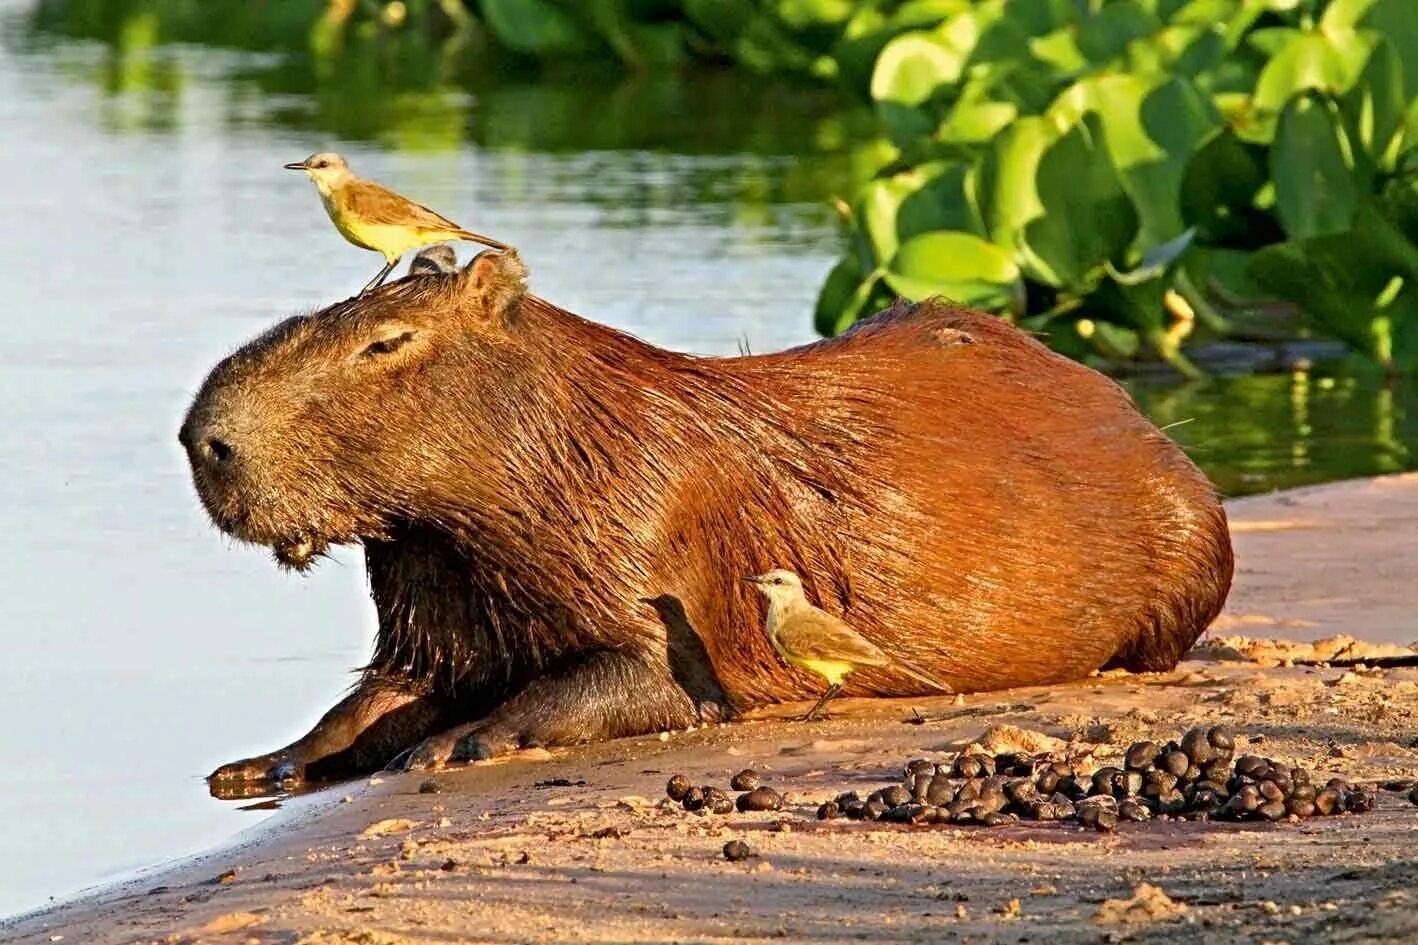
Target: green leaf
1105 34
722 20
1374 108
1002 184
908 72
1346 291
912 67
959 266
537 27
938 202
1152 129
800 15
1219 190
1088 218
1038 17
1315 189
1329 63
976 117
1157 260
845 296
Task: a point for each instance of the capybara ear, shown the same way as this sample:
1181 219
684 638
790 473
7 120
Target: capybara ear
495 282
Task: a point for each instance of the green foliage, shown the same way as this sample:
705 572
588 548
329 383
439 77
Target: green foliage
1083 167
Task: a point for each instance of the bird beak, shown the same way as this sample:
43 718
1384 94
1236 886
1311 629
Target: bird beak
753 579
297 166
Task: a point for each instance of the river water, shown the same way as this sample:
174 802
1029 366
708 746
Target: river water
146 228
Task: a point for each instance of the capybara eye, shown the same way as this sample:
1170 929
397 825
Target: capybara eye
387 345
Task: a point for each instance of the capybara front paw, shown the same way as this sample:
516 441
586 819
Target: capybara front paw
273 768
433 752
491 742
255 777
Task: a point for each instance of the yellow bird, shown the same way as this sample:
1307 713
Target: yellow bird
374 217
812 639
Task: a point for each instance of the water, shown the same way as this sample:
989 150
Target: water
147 228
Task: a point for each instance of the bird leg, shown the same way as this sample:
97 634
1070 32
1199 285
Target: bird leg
380 277
815 711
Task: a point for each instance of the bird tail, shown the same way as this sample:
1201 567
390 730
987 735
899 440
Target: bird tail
479 238
921 677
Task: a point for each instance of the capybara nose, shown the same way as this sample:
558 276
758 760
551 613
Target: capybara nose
205 445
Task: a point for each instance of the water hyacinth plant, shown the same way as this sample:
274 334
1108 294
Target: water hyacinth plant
1103 172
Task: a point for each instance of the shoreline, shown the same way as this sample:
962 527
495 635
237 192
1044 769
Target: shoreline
313 874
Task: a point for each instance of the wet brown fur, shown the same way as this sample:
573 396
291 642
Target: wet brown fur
524 479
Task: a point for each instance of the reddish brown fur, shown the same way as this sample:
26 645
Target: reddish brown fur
977 506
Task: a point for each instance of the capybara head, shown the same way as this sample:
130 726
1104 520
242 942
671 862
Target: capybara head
331 427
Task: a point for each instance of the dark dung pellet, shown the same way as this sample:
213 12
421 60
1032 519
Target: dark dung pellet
1175 763
920 766
1197 746
1329 801
693 799
855 810
763 798
1222 739
895 796
736 850
1015 764
676 787
430 787
718 801
998 819
829 811
1134 810
1140 756
1272 810
873 809
745 780
1252 766
940 790
1359 802
973 766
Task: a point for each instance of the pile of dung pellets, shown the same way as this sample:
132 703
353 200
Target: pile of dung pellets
1197 778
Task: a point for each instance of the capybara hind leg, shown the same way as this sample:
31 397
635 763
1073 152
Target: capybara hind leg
361 733
604 695
607 695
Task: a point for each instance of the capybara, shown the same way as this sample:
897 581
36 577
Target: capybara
557 517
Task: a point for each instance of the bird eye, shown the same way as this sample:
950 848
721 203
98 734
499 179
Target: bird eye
387 345
777 580
322 163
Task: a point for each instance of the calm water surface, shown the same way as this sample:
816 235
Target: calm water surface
146 228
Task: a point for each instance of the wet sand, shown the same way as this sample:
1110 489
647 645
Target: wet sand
522 851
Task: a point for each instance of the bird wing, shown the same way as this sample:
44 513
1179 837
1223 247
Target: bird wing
817 635
377 204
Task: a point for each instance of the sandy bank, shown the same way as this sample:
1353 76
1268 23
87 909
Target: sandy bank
522 851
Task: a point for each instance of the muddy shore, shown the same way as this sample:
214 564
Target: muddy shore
523 851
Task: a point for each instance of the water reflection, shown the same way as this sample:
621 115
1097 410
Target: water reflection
1257 433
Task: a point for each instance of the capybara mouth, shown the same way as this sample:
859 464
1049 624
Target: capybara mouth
298 552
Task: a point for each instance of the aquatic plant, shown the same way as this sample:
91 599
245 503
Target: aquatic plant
1110 173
